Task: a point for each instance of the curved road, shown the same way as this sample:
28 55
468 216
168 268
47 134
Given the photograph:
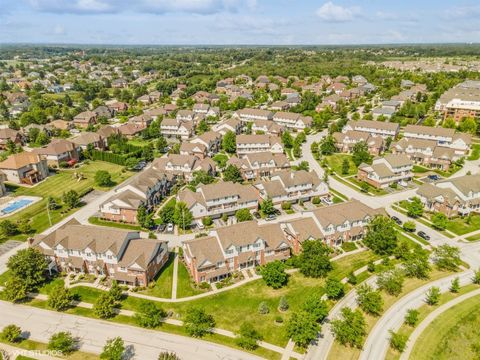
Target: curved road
93 334
378 340
431 317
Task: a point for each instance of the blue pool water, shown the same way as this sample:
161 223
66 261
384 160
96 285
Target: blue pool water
16 205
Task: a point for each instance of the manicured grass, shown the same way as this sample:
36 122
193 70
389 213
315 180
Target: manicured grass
452 334
423 311
371 189
163 281
57 184
343 266
220 158
335 162
97 221
339 351
349 246
475 154
184 283
460 226
473 238
417 169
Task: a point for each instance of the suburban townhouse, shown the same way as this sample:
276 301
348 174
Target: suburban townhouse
142 120
184 165
196 149
292 120
24 168
334 224
92 139
258 143
117 254
460 101
177 128
344 142
84 119
234 125
292 186
460 142
266 127
234 248
386 171
211 140
59 152
453 197
206 110
279 105
186 115
374 128
220 198
147 190
248 114
426 152
261 164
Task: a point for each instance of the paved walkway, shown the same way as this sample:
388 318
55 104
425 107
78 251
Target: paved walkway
175 275
430 318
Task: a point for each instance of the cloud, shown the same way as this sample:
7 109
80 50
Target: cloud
58 30
462 12
141 6
336 13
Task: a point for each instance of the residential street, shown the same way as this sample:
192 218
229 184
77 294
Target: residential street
93 334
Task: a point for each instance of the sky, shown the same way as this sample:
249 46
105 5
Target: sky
237 22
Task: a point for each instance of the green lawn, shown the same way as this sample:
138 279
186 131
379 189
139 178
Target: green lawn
55 186
163 281
335 162
371 189
184 283
473 238
460 226
349 246
475 154
452 334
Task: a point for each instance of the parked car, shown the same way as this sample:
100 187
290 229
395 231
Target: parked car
327 201
270 217
257 215
200 225
397 220
277 212
423 235
170 228
161 228
139 166
434 177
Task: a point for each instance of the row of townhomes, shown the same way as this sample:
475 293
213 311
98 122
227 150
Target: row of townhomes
457 196
247 144
260 164
460 101
285 119
118 254
245 245
387 170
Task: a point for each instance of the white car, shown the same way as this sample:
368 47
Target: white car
327 201
170 227
200 225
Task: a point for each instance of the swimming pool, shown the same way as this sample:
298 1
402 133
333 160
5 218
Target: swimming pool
15 205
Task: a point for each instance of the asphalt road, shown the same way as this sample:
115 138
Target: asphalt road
93 334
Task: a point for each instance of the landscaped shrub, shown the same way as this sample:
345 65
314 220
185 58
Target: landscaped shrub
263 308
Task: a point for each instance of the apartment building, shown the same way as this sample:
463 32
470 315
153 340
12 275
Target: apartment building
258 143
261 164
220 198
234 248
118 254
344 142
386 171
292 121
148 190
374 128
460 101
177 128
292 186
457 196
460 142
334 224
184 165
248 114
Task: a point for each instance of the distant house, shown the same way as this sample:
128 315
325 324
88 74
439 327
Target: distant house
7 134
345 142
248 115
184 165
24 168
86 139
130 130
84 119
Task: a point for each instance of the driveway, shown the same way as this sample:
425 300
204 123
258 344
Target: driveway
93 334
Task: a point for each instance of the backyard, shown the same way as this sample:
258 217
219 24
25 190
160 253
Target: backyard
335 162
54 186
